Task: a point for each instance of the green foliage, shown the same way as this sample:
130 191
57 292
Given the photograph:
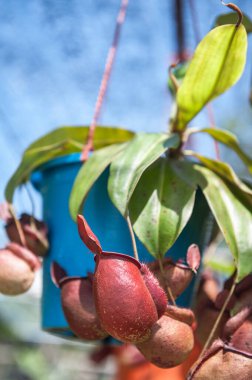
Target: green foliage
128 167
89 173
230 208
156 188
223 170
219 258
217 64
160 207
57 143
103 136
230 140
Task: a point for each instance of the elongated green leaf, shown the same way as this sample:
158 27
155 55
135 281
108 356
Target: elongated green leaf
231 18
219 258
60 142
127 169
160 207
234 220
223 268
223 170
89 173
103 136
230 140
233 215
217 64
31 161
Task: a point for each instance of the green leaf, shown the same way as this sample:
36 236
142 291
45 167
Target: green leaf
223 170
230 140
103 136
219 258
32 161
88 174
233 215
226 269
60 142
127 169
231 18
160 207
217 64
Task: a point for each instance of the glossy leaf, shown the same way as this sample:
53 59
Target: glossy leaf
233 215
160 207
126 170
230 140
231 18
57 143
32 161
223 170
88 174
103 136
217 64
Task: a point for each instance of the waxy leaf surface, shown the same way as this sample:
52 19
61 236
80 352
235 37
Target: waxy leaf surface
103 136
60 142
127 168
88 174
230 208
160 207
225 171
230 140
217 64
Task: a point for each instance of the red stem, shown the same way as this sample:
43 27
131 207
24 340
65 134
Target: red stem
105 79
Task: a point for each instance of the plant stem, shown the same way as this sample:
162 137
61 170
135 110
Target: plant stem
168 289
18 226
105 79
210 337
180 27
30 199
237 10
172 76
132 238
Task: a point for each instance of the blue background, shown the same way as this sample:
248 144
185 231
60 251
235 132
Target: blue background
52 55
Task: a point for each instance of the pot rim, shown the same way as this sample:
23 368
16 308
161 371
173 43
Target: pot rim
65 160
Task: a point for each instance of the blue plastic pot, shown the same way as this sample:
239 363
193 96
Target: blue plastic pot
54 181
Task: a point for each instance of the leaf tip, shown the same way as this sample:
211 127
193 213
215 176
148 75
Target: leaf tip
87 235
193 257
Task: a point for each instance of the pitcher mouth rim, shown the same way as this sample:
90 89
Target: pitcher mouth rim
119 256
